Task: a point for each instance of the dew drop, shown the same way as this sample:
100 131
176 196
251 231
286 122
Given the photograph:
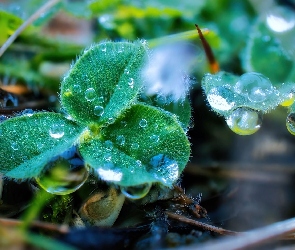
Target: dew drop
164 169
62 177
57 131
143 123
154 138
109 145
120 140
111 120
126 71
290 123
14 146
139 163
76 88
136 192
101 99
90 94
280 19
288 101
131 83
98 110
108 157
244 121
103 47
28 112
134 146
255 86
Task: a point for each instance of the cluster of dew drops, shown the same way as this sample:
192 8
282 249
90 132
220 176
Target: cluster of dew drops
255 88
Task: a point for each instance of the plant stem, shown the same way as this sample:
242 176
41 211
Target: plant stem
31 19
205 226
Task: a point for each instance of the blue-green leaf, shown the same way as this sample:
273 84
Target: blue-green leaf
144 145
29 142
103 82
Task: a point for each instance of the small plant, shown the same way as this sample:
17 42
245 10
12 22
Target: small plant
125 141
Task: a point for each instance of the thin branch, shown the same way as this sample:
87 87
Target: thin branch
202 225
31 19
213 64
62 229
249 239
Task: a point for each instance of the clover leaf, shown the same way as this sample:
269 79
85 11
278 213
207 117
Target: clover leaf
123 140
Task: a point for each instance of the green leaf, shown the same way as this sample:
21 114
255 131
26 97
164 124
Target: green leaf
265 53
103 82
144 145
226 92
8 24
29 142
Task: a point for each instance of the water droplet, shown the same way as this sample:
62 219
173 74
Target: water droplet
90 94
108 157
109 145
143 123
154 138
134 146
288 101
126 71
131 82
103 47
120 140
255 86
76 88
57 131
136 192
290 123
14 146
101 99
139 163
28 112
60 177
218 98
164 169
244 121
111 120
98 110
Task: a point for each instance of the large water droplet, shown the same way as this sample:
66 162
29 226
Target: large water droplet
57 131
120 140
143 123
62 176
98 110
290 123
136 192
163 169
219 97
90 94
244 121
255 86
